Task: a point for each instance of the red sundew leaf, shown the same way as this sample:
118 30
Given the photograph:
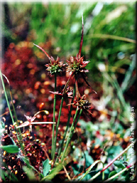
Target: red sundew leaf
63 119
73 112
65 111
46 83
37 84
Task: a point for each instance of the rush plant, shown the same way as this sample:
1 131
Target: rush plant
37 160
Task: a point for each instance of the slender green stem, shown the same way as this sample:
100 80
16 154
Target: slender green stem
110 163
67 125
88 170
53 127
119 173
64 136
19 135
78 118
54 107
58 124
95 176
71 132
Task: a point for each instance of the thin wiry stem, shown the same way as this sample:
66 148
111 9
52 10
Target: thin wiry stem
58 123
19 135
119 173
67 125
54 110
111 162
72 128
3 85
82 175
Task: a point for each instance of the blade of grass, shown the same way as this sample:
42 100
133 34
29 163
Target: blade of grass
26 160
19 135
107 36
5 93
126 81
114 83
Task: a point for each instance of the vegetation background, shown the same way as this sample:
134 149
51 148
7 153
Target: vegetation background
109 45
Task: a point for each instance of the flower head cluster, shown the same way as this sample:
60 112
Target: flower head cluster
82 103
77 65
55 66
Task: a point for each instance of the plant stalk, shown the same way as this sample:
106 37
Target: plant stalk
71 132
67 125
58 124
19 135
53 127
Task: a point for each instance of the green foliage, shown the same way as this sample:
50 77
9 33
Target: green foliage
30 173
46 167
2 128
88 159
114 151
8 174
112 173
10 148
78 168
